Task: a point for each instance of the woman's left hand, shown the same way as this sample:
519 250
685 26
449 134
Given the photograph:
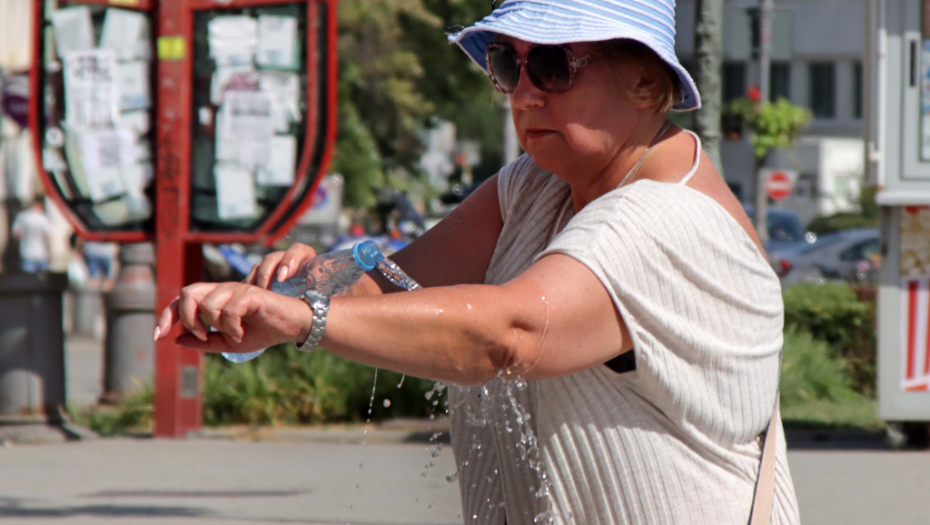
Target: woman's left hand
246 318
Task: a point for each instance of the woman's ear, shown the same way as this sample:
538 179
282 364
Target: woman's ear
646 88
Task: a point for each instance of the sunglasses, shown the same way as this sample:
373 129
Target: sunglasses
551 68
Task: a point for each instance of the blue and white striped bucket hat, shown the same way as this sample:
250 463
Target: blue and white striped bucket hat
651 22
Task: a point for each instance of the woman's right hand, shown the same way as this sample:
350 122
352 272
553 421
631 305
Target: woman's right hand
279 266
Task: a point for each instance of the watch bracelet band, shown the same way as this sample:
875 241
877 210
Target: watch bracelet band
319 304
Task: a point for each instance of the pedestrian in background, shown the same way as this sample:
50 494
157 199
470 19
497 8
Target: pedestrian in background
98 256
32 228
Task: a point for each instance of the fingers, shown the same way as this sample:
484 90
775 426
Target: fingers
189 308
264 271
292 259
215 342
168 317
225 306
279 265
185 309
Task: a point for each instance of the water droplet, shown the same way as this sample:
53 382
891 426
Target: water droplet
364 443
452 477
429 506
360 465
352 506
402 377
387 403
474 516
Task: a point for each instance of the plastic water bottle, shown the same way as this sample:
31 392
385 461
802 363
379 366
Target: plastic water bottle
329 274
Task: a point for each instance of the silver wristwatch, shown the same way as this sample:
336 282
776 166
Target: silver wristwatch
320 305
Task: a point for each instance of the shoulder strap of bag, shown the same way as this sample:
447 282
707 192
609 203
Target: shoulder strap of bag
764 495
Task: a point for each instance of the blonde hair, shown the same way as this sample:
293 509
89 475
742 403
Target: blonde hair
668 85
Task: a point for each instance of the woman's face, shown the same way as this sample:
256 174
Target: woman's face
579 132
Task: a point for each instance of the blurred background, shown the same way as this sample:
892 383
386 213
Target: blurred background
419 127
791 119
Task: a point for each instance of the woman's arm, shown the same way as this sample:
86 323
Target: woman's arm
554 319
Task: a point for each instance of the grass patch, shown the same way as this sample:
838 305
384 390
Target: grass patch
133 413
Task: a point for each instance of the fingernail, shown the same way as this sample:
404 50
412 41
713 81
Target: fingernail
202 337
157 333
282 274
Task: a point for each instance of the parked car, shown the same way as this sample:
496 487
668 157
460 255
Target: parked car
785 230
850 255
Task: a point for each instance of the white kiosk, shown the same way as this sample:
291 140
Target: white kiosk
899 154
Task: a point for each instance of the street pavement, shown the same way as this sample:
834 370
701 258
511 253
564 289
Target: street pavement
201 482
326 477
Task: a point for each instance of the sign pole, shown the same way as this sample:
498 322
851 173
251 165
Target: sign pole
177 369
765 64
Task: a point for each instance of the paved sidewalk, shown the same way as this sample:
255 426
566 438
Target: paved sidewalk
83 370
200 482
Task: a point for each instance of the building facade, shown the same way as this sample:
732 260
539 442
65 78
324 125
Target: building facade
818 53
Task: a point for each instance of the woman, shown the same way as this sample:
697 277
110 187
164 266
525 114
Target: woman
610 266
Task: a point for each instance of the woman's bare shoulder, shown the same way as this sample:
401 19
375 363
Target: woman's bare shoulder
708 181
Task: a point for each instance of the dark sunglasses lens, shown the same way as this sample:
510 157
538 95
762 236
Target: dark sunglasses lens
503 64
548 68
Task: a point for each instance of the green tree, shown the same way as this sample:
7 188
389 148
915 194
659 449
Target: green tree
396 71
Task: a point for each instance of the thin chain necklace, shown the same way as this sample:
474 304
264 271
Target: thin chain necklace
643 157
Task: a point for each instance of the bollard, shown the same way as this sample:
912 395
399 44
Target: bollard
86 304
32 355
129 350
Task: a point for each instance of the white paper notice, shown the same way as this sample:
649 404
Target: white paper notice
277 39
73 30
136 177
127 33
103 155
235 192
91 89
134 87
280 168
285 91
138 122
232 39
248 121
235 78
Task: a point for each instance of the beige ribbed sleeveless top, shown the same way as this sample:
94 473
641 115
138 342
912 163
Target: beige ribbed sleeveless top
674 441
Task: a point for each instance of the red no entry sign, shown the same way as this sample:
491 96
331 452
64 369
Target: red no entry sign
779 185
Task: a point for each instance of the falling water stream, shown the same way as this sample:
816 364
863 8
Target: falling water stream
338 275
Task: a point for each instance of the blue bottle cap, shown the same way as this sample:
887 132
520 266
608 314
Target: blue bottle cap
367 255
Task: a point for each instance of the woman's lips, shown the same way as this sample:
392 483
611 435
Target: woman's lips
537 133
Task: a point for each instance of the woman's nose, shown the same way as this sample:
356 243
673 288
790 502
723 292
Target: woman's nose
527 95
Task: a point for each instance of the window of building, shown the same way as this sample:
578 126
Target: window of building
780 81
823 89
734 80
857 90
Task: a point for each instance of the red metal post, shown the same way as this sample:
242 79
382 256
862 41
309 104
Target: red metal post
177 370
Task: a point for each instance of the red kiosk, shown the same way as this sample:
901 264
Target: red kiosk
181 122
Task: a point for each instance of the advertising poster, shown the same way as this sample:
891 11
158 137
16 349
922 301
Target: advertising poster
915 298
